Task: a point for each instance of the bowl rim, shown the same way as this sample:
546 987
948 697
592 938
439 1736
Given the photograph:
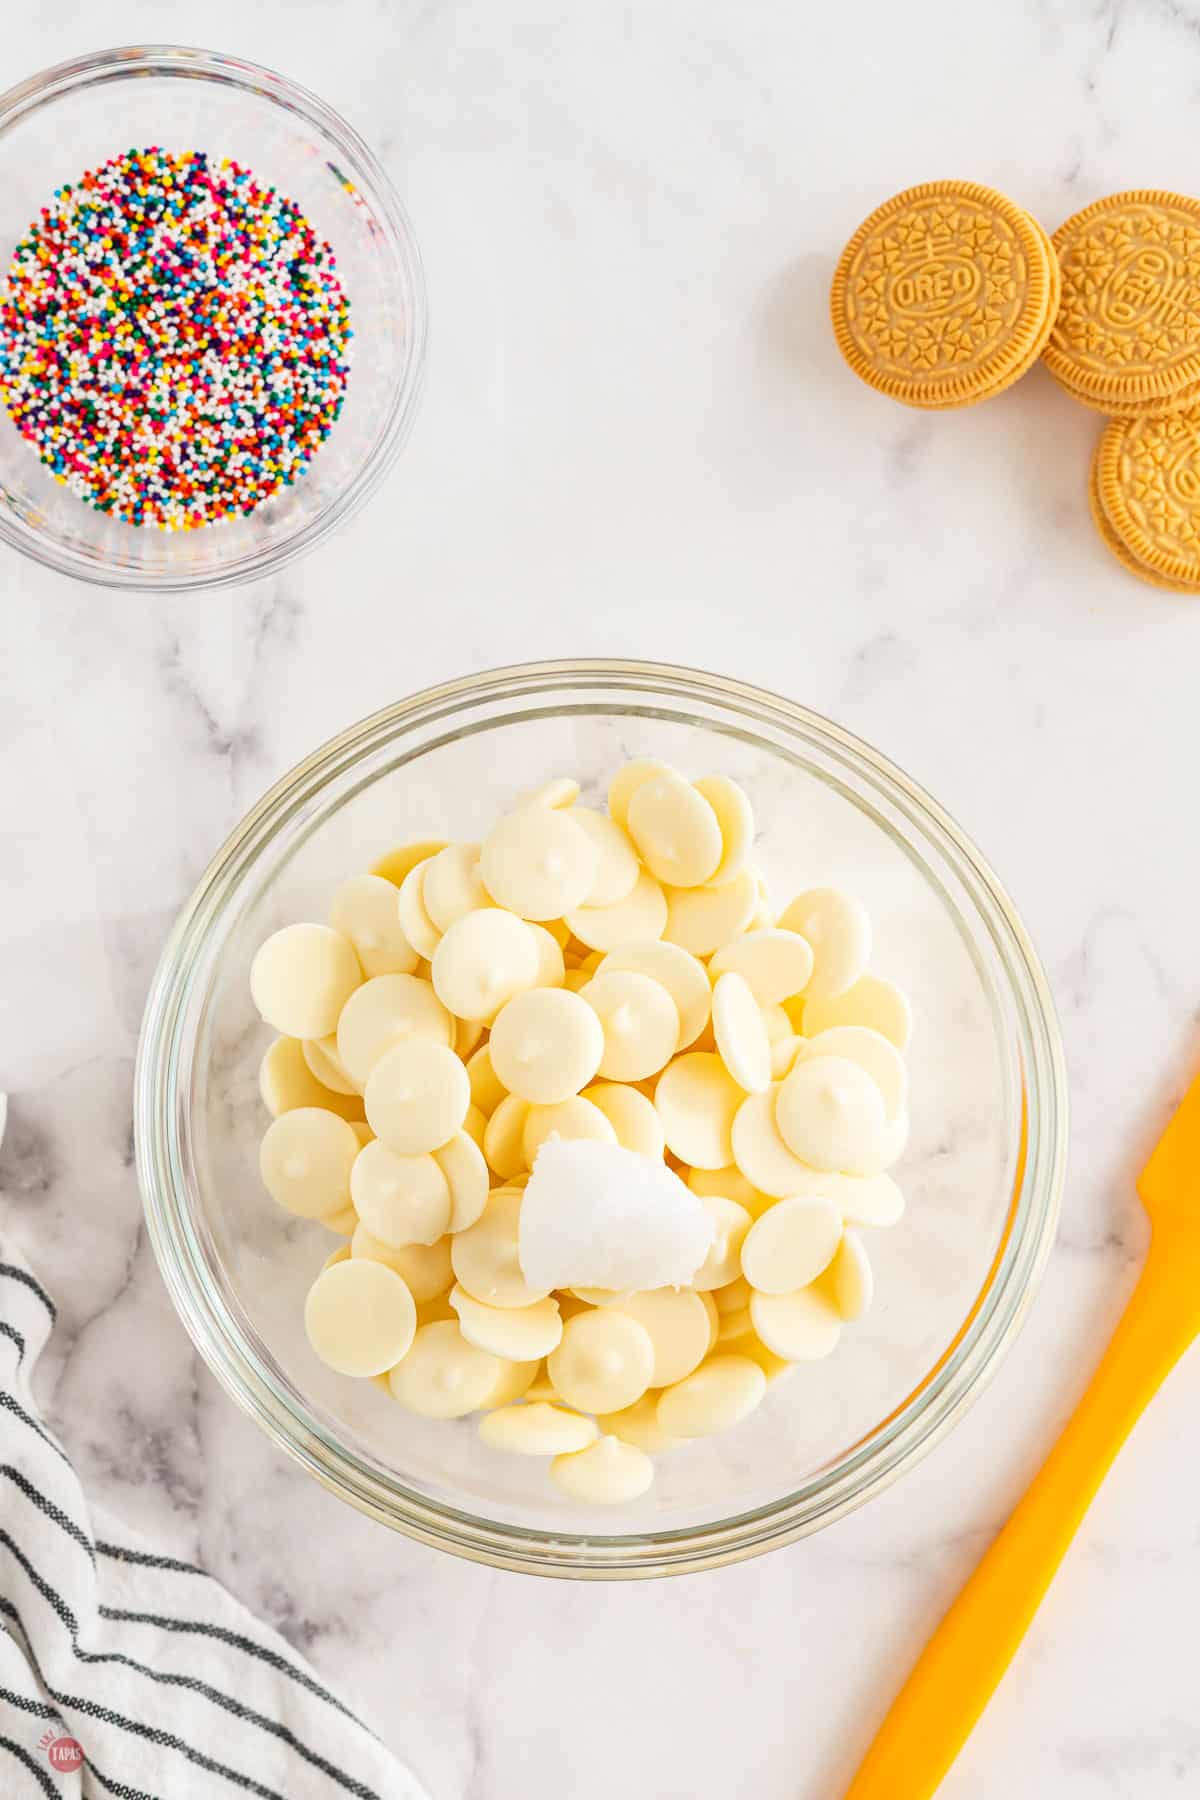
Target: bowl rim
893 1445
189 62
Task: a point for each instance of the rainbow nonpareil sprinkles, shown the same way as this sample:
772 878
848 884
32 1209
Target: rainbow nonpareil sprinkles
174 339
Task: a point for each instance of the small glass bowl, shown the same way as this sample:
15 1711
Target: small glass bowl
74 117
982 1173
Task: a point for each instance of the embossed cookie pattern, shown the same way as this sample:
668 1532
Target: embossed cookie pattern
1128 329
1148 482
944 295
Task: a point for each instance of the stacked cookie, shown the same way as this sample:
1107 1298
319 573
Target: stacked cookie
1127 342
949 292
946 295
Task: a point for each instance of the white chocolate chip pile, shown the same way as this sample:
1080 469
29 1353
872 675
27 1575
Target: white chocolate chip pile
719 1092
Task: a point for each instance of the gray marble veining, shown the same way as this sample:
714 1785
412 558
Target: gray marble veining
637 438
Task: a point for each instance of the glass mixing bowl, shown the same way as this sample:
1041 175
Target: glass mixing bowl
982 1173
74 117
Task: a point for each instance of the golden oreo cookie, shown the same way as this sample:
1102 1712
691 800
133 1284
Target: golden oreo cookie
1127 334
1147 493
1113 544
944 295
1035 351
1183 401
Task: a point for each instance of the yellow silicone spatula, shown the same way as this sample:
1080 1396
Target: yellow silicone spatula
973 1645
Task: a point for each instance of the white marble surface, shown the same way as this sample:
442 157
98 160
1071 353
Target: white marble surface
636 438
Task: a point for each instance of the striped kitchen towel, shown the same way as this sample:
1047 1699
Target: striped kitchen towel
129 1674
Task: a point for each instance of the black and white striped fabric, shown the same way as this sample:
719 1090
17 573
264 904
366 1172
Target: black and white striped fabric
134 1675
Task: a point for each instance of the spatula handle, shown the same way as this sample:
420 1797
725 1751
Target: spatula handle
968 1653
